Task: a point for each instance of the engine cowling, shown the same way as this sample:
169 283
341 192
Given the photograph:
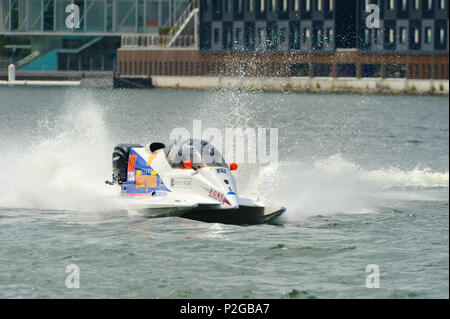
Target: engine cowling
120 161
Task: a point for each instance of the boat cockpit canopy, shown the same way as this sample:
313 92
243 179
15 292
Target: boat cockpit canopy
201 153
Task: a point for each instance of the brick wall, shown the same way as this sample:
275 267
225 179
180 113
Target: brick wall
189 62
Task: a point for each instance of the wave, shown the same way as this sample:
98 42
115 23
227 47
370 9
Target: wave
389 177
335 185
63 164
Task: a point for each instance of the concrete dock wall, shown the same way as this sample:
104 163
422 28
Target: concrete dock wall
276 84
305 84
88 79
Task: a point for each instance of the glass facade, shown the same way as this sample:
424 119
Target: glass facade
95 16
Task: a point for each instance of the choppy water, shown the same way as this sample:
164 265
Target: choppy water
364 180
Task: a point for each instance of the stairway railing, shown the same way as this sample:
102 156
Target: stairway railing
173 39
183 17
28 59
156 40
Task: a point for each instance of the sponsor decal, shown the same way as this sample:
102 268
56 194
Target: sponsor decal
181 182
221 170
131 167
147 181
150 159
148 171
219 196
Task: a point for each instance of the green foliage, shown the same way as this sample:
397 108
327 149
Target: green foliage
164 30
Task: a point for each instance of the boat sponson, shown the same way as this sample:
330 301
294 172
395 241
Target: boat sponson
244 215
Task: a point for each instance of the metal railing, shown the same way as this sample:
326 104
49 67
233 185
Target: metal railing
28 59
172 39
155 40
183 17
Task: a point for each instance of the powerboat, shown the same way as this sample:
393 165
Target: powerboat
188 179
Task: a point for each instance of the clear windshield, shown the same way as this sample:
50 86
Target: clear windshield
201 153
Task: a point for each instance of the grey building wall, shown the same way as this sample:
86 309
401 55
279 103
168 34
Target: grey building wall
269 26
241 26
424 23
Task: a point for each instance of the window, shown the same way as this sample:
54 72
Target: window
296 38
261 5
238 35
428 34
402 35
319 5
321 69
240 7
404 4
285 5
391 4
416 35
250 5
273 5
395 70
391 35
331 5
306 35
442 4
330 35
370 70
282 35
228 6
441 35
377 38
319 37
308 5
297 5
216 35
226 40
416 4
217 4
249 35
261 35
272 34
429 4
366 36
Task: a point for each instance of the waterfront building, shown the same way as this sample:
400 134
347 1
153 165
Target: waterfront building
77 34
301 38
314 38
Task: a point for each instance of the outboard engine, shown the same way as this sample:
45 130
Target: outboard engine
120 162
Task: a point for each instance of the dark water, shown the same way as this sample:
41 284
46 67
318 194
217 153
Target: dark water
364 180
